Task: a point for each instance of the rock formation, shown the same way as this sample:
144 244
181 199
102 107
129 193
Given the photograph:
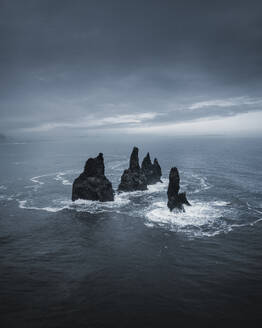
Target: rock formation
153 171
92 184
133 178
175 199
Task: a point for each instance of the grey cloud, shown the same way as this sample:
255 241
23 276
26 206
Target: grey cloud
61 61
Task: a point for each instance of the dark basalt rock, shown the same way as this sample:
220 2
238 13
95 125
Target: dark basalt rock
153 171
134 160
175 199
133 178
92 184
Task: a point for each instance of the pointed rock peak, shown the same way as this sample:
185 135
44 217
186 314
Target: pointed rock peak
175 199
157 168
133 178
134 161
174 180
95 166
173 172
152 171
148 157
146 164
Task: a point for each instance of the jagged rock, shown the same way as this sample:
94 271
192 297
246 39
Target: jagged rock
134 160
157 169
175 199
92 184
133 178
153 171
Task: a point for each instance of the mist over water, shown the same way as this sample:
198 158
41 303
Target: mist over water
131 261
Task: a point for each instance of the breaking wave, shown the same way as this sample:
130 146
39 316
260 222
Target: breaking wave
37 179
199 220
195 183
49 193
61 177
118 165
79 205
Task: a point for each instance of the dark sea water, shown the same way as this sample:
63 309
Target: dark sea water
131 263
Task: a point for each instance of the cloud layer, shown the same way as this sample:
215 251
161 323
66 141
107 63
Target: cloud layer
112 65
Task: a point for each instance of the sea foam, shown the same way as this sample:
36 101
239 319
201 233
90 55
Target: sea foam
79 205
61 177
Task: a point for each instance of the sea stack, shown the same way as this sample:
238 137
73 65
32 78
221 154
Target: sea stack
133 178
92 184
153 171
175 199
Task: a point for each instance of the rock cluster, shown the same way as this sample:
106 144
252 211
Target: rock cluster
152 171
92 184
133 178
175 199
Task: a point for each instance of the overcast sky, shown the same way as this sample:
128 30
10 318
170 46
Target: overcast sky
81 67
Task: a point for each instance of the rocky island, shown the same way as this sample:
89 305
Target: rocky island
92 184
133 178
152 171
175 199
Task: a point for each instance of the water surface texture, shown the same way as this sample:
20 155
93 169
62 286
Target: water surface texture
131 262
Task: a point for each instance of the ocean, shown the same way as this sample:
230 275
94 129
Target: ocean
131 262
